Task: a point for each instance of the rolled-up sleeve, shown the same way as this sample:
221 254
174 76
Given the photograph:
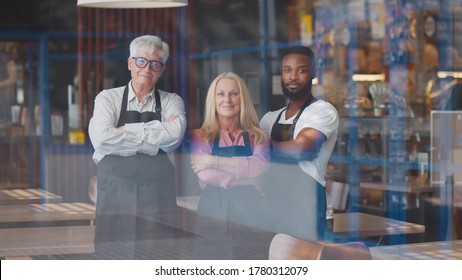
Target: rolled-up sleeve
146 138
247 166
103 132
166 136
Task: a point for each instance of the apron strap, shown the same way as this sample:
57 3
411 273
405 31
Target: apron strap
123 109
245 135
306 104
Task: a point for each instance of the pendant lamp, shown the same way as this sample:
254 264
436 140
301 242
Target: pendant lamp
131 4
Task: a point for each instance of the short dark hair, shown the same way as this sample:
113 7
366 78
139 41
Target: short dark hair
303 51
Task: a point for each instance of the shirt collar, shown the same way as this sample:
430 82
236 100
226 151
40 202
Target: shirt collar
235 133
131 93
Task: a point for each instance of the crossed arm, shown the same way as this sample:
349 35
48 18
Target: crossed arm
218 170
305 146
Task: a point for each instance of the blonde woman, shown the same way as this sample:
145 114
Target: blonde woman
230 153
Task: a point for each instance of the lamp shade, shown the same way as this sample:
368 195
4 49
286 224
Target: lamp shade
131 4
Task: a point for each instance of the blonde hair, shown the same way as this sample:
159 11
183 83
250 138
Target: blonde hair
247 117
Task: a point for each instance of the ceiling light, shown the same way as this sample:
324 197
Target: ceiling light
446 74
368 77
131 4
315 81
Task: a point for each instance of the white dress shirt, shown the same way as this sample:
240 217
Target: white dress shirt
145 138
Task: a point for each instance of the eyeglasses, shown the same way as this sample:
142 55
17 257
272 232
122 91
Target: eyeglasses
155 65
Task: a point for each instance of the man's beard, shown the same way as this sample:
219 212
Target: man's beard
297 95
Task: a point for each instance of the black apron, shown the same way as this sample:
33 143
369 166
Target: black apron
297 201
240 208
129 190
232 204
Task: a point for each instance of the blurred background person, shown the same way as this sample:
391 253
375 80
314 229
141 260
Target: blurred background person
442 92
8 78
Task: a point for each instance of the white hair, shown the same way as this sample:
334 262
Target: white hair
150 43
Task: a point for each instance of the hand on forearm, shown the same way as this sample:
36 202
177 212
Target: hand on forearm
305 146
286 150
202 161
171 118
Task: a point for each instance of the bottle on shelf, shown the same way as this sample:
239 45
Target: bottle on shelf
76 134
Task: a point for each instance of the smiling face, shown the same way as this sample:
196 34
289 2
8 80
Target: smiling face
228 99
145 76
296 77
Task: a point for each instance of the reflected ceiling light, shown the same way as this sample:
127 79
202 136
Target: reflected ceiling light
368 77
446 74
131 4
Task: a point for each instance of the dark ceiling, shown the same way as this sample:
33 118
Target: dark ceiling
38 15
